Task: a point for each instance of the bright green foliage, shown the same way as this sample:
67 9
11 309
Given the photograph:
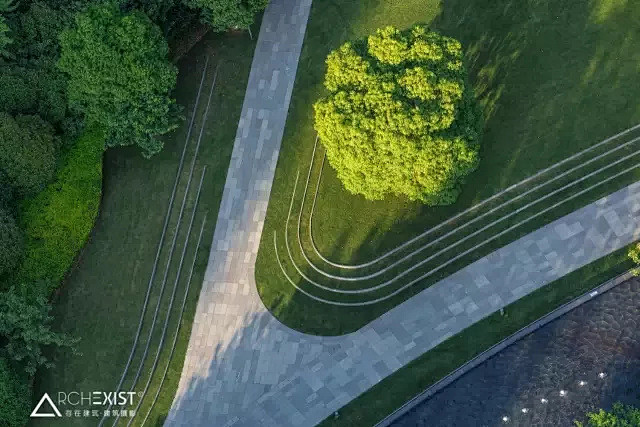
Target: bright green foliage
225 14
27 152
119 75
619 416
11 244
400 117
25 327
634 254
57 222
15 395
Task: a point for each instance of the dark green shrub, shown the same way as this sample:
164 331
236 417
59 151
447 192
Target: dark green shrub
11 244
27 152
225 14
18 93
57 221
400 117
15 395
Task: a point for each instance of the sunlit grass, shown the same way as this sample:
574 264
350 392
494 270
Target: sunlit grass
551 79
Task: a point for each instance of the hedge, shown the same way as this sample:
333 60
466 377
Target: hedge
57 221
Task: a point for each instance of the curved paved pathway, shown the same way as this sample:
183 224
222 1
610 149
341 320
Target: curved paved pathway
245 368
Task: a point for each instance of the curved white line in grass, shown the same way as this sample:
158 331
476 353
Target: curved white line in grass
175 237
173 295
453 218
164 230
453 245
455 230
428 273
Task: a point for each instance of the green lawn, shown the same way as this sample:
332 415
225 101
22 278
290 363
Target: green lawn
393 391
100 301
552 78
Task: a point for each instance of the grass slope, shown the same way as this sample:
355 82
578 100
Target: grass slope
552 78
100 302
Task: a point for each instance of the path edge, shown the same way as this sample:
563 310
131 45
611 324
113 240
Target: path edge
500 346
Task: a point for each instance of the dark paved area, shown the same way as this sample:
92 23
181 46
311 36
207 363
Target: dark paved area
601 336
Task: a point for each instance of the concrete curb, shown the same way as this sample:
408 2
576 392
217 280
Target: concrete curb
496 348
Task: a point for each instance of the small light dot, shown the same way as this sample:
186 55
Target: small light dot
563 392
582 383
505 419
543 400
525 410
602 375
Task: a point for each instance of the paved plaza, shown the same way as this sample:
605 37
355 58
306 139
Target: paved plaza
244 368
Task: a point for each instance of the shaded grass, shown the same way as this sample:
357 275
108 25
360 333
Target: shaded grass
393 391
101 301
552 79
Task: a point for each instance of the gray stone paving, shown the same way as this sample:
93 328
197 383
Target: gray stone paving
244 368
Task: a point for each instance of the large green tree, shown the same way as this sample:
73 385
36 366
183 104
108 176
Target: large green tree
119 75
225 14
27 152
400 117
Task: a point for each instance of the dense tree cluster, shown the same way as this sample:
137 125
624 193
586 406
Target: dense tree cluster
126 95
76 76
400 117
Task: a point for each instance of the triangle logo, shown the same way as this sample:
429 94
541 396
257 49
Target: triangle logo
45 398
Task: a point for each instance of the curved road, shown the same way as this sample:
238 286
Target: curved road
245 368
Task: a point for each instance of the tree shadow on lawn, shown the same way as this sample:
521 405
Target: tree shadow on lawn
553 78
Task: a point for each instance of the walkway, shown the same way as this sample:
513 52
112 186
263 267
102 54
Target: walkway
245 368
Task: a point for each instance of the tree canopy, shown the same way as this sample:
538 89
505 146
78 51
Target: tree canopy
11 243
400 117
225 14
27 152
119 75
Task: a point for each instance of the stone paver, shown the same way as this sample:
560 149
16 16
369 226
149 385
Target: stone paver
243 367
